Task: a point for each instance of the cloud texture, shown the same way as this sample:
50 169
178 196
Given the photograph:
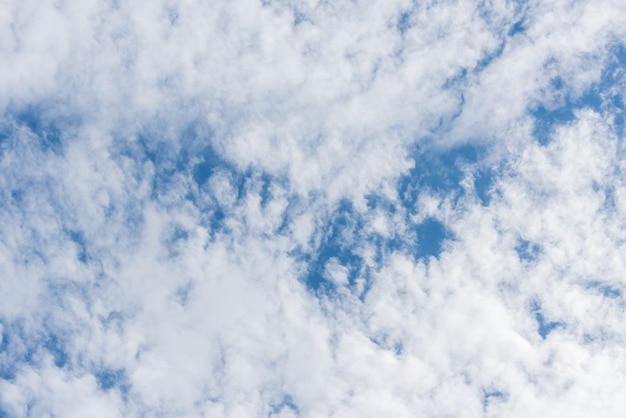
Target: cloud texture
312 209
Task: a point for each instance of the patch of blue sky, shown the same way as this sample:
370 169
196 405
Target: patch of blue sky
286 403
54 345
265 191
156 144
17 196
455 81
610 204
41 121
211 162
517 27
12 196
183 293
109 378
604 289
489 57
404 22
20 348
6 361
338 240
164 156
527 251
602 97
299 17
615 75
343 240
546 119
175 239
386 343
249 179
4 343
441 172
483 181
246 181
394 243
431 235
78 238
544 328
47 131
493 395
7 130
9 366
114 320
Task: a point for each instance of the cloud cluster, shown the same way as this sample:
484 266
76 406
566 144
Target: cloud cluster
283 209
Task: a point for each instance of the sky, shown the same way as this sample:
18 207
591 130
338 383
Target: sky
280 208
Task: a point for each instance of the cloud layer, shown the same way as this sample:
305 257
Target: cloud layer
312 209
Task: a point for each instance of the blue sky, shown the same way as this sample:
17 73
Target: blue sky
312 209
